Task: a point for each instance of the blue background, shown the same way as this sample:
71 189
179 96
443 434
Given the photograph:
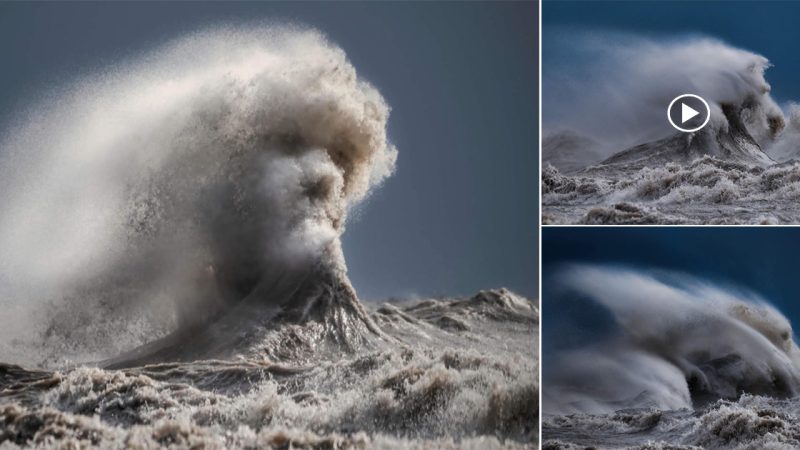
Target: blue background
769 28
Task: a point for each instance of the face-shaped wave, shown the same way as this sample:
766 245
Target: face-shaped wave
637 76
150 195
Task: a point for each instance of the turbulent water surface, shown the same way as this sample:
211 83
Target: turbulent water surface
439 373
172 272
707 190
752 422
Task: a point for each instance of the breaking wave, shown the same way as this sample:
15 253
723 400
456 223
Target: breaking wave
155 195
172 268
676 342
637 77
670 361
741 168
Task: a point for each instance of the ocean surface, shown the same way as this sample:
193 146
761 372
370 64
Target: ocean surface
706 190
751 422
446 373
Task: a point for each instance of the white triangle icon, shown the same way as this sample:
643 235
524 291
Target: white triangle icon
687 112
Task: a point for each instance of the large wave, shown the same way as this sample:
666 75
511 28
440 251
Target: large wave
676 342
217 169
636 77
632 166
171 226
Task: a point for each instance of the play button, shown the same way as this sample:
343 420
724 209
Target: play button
688 113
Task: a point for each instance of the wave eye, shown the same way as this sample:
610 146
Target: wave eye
318 189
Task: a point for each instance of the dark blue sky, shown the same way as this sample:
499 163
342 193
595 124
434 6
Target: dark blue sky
460 214
765 27
763 260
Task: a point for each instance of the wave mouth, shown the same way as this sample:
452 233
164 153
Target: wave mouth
672 342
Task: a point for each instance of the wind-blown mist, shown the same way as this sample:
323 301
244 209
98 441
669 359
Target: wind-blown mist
218 156
676 342
633 78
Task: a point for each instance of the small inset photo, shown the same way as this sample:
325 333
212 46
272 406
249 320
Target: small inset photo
670 113
670 337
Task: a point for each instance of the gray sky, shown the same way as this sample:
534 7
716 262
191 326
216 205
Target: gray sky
460 213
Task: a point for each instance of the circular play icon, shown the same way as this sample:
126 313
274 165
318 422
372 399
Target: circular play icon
688 113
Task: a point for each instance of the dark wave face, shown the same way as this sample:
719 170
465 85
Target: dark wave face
172 271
